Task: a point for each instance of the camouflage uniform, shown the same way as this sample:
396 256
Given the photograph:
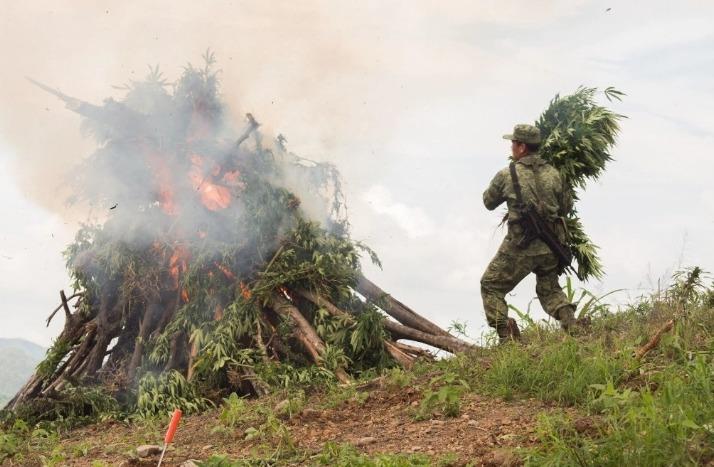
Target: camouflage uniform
513 263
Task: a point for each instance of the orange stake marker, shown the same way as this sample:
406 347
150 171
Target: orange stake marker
173 425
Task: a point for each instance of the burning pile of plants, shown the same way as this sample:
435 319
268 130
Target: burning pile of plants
223 263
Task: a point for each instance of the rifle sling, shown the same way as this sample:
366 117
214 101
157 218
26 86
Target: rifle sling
516 184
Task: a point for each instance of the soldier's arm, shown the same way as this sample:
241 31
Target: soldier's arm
494 194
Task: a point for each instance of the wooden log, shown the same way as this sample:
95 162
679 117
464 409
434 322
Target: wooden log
178 354
260 342
654 341
127 338
392 348
304 332
416 351
151 315
397 309
447 342
259 387
322 302
64 304
399 355
74 329
192 354
108 321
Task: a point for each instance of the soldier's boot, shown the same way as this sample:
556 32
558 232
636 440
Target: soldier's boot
508 331
569 323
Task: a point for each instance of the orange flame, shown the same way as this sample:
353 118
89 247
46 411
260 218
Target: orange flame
226 272
213 196
178 263
245 291
184 295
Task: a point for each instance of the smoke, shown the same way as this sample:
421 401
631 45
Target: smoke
328 75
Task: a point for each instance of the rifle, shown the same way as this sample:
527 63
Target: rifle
534 226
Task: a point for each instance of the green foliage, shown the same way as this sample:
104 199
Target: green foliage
55 354
444 396
314 259
19 439
159 396
578 136
345 455
336 396
71 406
587 304
688 288
657 411
668 426
274 432
332 454
287 376
457 328
233 410
557 371
397 377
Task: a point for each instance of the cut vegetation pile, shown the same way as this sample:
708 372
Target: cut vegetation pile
222 264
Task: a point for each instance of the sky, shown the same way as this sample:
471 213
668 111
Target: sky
408 98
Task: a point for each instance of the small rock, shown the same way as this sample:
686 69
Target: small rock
587 425
147 450
415 448
472 422
189 463
502 457
309 413
281 406
365 441
466 416
415 403
207 447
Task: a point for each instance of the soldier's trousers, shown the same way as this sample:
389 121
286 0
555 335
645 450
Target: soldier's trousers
505 272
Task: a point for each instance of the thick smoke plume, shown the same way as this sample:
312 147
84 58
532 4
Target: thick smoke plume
168 162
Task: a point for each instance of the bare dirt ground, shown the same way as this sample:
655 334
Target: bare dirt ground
487 432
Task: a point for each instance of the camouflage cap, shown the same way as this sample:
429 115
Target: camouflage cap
524 133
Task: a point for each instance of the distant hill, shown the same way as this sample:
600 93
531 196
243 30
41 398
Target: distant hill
18 358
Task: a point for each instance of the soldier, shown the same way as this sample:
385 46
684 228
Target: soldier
542 186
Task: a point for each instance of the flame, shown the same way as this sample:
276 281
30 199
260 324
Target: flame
245 291
227 272
213 196
178 264
232 178
184 295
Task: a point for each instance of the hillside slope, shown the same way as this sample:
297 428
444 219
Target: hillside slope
636 389
18 358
